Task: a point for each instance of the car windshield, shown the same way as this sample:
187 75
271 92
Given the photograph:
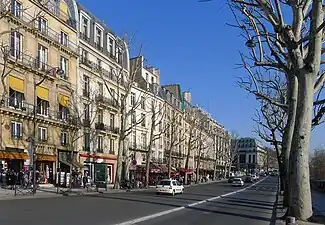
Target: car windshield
164 182
237 179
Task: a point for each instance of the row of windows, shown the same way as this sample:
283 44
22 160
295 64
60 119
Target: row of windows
17 133
16 51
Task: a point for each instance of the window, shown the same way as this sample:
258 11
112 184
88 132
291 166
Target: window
249 159
16 8
42 107
132 99
152 80
100 144
16 130
160 156
143 103
16 44
143 118
84 55
84 27
100 116
133 117
86 86
112 120
111 146
42 57
144 139
87 142
63 113
64 66
16 99
42 133
253 158
42 25
64 138
86 112
100 89
98 37
64 38
147 76
111 46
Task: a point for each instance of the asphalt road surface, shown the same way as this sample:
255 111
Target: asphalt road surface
251 206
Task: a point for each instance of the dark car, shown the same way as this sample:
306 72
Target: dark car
231 179
249 179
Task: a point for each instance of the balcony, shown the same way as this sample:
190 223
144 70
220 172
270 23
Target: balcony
114 130
100 126
25 61
24 109
94 67
105 101
53 8
52 36
138 147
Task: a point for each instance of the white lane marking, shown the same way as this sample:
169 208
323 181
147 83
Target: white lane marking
152 216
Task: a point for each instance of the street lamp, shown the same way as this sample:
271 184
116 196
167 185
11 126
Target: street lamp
52 71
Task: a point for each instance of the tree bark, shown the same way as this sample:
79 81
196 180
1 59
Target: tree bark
151 139
119 165
299 185
198 166
288 135
189 147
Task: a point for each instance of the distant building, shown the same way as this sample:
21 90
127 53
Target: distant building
251 154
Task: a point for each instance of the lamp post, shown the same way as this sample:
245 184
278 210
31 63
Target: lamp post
52 71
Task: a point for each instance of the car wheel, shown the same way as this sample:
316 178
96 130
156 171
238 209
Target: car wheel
173 193
182 191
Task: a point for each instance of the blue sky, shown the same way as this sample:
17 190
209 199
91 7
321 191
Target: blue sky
192 45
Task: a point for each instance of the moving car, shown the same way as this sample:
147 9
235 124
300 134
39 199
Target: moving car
231 179
238 182
249 179
169 186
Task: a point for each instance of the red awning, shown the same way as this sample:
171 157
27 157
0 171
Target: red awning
111 157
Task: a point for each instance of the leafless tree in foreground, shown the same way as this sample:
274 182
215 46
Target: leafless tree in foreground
294 50
125 76
157 110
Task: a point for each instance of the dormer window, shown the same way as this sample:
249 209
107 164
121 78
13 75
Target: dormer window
98 37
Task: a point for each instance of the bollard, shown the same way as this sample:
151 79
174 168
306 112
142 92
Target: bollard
290 220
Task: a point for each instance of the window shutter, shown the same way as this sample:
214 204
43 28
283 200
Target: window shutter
19 130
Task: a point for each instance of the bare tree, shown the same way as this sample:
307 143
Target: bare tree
157 108
233 150
317 164
173 132
205 141
192 119
125 77
295 50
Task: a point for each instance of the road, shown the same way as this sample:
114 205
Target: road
252 206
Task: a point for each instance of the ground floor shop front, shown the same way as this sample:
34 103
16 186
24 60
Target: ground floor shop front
99 168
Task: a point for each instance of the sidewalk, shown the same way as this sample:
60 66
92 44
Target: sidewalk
318 208
49 191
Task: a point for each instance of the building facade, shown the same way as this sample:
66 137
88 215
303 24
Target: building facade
251 154
103 65
41 54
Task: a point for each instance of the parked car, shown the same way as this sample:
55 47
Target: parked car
231 179
169 186
238 182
